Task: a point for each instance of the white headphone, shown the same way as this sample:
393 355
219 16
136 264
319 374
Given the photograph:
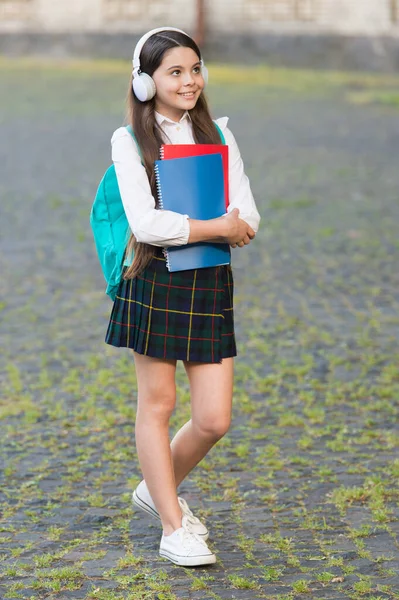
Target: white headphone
143 84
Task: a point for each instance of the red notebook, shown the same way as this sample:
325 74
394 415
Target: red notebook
184 150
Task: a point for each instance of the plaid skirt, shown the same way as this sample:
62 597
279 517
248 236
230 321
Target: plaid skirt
187 315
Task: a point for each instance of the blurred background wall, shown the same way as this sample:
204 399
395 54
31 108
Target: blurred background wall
354 34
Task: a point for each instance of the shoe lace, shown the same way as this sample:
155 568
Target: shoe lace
187 512
190 538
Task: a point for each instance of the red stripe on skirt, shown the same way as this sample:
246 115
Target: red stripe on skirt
180 337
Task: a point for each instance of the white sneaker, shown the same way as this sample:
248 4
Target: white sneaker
185 548
141 497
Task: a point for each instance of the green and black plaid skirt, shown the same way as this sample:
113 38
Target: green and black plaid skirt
187 315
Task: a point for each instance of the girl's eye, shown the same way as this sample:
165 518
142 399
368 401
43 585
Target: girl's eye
196 70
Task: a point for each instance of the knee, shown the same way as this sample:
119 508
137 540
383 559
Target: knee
212 428
157 401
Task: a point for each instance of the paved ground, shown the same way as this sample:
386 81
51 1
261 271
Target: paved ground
301 496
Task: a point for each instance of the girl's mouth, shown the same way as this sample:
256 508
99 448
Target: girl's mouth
187 95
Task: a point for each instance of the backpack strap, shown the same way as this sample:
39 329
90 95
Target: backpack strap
222 138
130 130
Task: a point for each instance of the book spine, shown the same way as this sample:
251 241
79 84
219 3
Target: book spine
159 189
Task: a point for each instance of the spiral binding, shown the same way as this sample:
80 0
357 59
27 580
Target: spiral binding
158 184
166 255
160 203
162 152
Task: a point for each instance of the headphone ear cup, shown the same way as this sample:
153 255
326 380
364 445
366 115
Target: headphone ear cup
144 87
205 74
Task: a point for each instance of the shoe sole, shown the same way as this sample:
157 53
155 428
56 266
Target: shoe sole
149 510
188 561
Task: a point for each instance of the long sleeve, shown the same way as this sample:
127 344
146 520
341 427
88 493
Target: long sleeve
148 224
239 186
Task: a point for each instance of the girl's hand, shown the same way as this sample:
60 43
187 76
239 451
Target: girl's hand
243 242
238 232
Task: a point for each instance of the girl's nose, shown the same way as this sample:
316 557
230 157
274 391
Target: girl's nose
188 79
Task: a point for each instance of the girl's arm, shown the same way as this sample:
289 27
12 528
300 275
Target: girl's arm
149 225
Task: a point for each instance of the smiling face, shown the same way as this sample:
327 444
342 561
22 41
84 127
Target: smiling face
179 82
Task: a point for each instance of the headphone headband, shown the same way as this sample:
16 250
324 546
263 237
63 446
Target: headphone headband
142 41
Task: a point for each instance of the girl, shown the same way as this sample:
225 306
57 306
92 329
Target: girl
164 317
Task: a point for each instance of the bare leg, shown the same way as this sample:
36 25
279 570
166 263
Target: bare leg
156 402
211 406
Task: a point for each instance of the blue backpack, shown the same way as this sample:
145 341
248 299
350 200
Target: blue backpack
110 226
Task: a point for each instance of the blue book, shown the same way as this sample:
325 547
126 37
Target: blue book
194 186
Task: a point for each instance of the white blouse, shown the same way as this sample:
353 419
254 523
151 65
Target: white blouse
165 227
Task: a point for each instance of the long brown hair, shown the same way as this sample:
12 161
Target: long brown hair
141 116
